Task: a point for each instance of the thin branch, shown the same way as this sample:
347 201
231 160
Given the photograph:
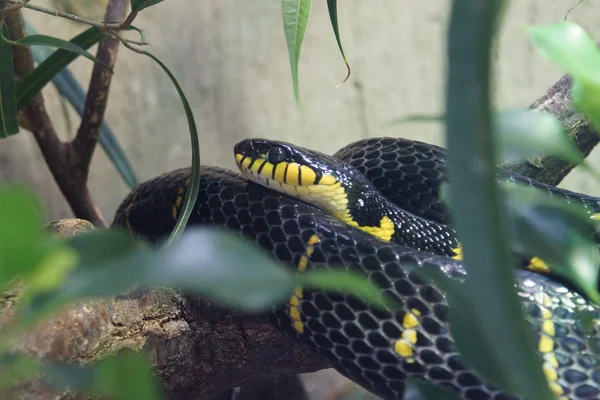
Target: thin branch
104 26
59 157
14 7
88 133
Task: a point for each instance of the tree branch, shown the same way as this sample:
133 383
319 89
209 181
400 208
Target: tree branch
69 162
557 101
88 133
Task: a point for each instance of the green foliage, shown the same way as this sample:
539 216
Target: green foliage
139 5
8 106
295 20
43 40
490 302
192 192
332 7
35 81
567 45
560 233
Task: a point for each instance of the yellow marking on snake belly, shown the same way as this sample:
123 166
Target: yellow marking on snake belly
403 349
595 216
546 346
538 265
238 158
174 213
415 311
384 231
294 301
409 321
458 251
556 388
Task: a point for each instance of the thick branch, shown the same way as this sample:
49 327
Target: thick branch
86 140
557 101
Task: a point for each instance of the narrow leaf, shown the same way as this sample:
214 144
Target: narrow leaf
35 81
494 306
43 40
567 45
8 104
295 20
524 134
139 5
332 7
194 184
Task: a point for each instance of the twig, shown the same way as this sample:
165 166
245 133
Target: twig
14 7
88 133
69 162
104 26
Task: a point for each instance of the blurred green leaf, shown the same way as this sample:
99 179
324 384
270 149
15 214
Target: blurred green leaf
16 368
332 7
567 45
36 80
523 134
494 308
417 389
139 5
44 40
559 233
22 244
213 263
8 105
126 377
295 20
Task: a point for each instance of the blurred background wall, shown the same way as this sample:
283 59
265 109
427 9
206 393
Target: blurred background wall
231 59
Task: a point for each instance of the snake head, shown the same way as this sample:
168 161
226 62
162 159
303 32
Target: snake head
313 177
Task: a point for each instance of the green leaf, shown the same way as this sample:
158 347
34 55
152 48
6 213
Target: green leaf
567 45
332 7
524 134
295 19
126 377
559 233
22 244
44 72
43 40
139 5
8 105
494 307
192 192
417 389
213 263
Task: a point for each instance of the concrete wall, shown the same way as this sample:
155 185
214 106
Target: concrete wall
231 59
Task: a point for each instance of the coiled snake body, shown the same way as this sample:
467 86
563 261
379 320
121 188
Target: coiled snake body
376 348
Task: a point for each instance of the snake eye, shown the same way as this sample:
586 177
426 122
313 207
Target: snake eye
276 155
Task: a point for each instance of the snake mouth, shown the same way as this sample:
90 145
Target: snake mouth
287 170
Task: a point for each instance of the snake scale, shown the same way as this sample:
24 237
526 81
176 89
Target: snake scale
377 348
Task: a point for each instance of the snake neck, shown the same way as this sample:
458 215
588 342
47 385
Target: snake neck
367 209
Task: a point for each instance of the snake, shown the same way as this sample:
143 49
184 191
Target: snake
374 208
